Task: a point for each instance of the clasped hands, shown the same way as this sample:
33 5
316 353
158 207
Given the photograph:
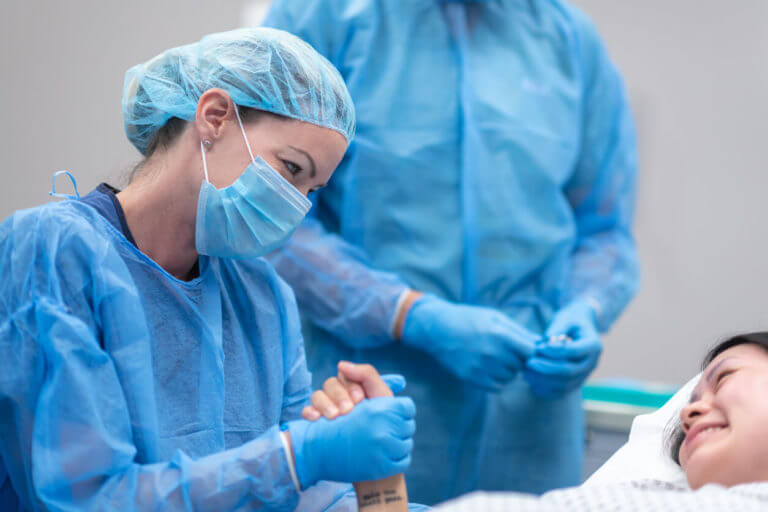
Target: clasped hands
356 430
487 348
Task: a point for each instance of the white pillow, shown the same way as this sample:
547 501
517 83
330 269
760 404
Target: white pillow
643 456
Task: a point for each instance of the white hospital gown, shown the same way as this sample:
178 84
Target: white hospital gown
644 496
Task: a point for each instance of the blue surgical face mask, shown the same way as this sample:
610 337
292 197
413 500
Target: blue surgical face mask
251 217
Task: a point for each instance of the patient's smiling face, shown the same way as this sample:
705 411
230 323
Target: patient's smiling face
726 421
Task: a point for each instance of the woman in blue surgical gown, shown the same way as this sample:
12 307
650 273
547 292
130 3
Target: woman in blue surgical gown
493 170
148 356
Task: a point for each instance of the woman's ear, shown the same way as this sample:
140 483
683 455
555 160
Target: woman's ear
214 108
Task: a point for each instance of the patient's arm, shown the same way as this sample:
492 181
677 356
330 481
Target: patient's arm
389 494
339 395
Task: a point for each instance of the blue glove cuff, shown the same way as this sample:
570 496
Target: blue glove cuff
305 470
418 321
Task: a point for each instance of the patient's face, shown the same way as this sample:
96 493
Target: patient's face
726 422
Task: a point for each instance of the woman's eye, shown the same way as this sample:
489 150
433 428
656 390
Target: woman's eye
723 375
292 167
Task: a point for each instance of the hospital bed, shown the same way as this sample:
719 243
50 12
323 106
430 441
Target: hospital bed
644 454
639 476
610 407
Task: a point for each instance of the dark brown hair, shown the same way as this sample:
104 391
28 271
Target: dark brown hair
172 130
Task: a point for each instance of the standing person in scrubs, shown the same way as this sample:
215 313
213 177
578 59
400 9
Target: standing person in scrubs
149 358
477 235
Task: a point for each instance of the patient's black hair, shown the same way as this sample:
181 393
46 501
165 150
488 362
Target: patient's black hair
674 431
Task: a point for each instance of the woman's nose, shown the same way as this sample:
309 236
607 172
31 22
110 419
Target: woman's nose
693 410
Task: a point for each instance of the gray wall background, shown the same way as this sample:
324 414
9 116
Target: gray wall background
697 72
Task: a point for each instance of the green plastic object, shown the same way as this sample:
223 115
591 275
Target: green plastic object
628 392
612 404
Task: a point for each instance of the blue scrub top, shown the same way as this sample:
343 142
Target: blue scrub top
104 200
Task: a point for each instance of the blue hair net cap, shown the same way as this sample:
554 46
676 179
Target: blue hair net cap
260 68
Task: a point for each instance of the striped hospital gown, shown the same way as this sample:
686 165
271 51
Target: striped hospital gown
645 496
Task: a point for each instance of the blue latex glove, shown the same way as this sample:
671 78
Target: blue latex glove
569 353
394 381
373 441
477 344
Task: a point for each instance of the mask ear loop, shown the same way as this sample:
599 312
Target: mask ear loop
242 130
53 192
205 164
247 144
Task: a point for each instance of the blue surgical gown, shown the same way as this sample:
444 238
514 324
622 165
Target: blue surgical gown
494 164
124 388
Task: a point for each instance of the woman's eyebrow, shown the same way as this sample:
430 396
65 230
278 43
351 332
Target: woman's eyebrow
312 169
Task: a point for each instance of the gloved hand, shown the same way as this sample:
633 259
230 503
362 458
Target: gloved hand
373 441
477 344
568 354
395 382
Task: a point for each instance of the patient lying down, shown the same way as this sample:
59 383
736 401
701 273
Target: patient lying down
720 441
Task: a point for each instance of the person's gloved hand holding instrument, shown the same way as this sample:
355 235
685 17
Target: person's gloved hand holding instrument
477 344
568 354
484 346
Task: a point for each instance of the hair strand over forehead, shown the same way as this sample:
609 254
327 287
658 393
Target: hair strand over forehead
753 338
